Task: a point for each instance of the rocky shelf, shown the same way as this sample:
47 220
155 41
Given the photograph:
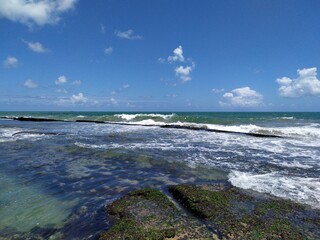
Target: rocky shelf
214 211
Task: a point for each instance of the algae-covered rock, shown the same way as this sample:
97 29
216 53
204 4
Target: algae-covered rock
142 214
219 212
235 214
149 214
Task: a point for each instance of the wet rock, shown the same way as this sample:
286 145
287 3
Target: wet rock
205 128
236 214
31 119
215 211
89 121
149 214
142 214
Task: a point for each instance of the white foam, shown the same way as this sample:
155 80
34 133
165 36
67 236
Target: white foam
293 164
5 118
286 118
299 131
307 131
299 189
13 134
148 122
282 147
162 146
236 153
6 134
129 117
235 128
92 146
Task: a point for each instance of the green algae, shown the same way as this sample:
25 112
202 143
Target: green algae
203 203
142 214
277 207
130 230
238 215
275 229
227 213
149 214
119 207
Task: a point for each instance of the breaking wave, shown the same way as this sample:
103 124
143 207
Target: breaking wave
300 189
144 116
310 130
14 134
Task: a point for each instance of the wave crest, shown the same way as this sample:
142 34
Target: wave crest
144 116
299 189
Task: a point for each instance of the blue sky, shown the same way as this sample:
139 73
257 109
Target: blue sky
159 55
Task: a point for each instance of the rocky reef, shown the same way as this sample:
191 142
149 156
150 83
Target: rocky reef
149 214
236 214
216 211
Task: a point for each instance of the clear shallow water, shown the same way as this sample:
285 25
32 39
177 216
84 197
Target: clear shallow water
55 177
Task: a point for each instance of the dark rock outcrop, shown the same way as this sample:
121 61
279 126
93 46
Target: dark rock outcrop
31 119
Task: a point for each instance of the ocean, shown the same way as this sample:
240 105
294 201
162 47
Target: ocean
57 176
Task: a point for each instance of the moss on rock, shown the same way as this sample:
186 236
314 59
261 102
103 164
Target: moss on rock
236 214
142 214
223 212
149 214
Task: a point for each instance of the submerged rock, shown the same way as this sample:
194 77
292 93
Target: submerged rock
236 214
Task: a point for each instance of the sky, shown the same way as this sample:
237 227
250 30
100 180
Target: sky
159 55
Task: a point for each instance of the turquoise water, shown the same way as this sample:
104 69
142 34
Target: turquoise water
56 177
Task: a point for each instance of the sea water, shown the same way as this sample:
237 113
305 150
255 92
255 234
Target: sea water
56 177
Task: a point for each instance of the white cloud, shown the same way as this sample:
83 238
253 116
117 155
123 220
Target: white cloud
127 35
36 47
80 98
10 62
215 90
125 86
177 55
108 50
30 12
284 81
64 5
61 80
76 82
184 72
30 84
306 84
242 97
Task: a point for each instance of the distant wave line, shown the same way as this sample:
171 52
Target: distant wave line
169 126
